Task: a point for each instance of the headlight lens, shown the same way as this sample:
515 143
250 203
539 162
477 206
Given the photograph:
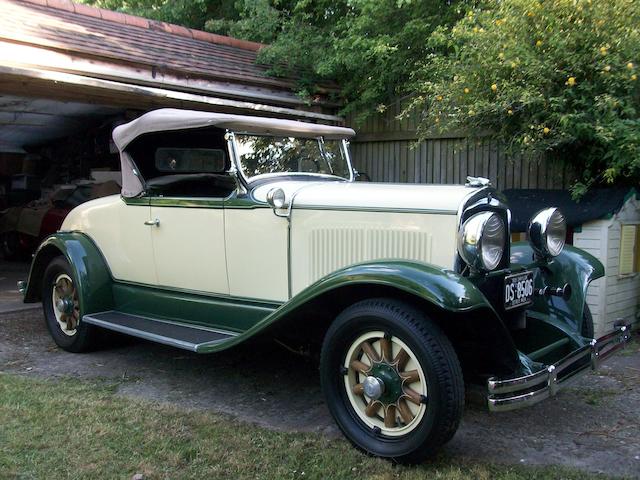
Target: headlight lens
547 232
481 241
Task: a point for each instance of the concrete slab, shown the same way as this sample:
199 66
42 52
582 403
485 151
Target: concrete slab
10 297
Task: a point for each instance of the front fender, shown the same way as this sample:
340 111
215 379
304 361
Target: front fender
573 266
442 288
89 267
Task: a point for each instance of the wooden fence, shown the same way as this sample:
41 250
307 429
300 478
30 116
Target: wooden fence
386 149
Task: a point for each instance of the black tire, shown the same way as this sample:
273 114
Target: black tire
84 338
434 354
587 330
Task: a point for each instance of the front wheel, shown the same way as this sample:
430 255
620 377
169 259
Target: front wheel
391 380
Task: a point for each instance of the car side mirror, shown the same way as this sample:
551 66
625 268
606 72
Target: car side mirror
277 199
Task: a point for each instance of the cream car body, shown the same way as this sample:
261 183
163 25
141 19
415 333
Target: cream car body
229 227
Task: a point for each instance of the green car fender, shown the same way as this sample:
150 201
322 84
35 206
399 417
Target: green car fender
89 267
574 267
442 288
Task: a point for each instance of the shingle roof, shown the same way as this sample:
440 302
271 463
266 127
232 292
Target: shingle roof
62 25
597 203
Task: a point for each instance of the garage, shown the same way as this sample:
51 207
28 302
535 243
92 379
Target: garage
70 73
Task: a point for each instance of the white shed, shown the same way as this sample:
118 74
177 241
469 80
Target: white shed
605 223
615 241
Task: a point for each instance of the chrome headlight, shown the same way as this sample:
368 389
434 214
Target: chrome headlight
547 232
481 241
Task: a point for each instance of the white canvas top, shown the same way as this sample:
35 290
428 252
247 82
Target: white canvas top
175 119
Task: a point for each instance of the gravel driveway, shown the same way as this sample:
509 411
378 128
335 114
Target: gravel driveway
593 426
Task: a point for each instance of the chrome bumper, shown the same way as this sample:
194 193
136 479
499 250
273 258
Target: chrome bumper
513 393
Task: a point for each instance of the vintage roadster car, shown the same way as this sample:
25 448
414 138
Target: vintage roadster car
229 227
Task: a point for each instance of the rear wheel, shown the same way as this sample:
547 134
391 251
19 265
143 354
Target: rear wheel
391 380
60 301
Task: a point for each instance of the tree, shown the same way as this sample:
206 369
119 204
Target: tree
544 76
190 13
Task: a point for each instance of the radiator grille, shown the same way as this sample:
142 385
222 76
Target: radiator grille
334 248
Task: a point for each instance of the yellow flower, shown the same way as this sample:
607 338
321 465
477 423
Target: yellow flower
630 66
634 77
539 43
471 112
475 29
501 56
498 22
494 87
509 112
514 64
603 50
546 130
439 98
531 14
466 90
607 68
571 81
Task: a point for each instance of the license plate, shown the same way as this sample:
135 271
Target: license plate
518 290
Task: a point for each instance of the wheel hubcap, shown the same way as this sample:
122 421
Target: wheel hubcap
385 384
66 307
373 387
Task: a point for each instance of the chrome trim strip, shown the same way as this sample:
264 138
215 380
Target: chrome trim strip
513 393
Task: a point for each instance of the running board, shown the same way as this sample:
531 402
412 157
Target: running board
187 337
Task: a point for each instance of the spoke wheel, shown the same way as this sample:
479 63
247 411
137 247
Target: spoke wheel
61 304
391 379
385 383
66 307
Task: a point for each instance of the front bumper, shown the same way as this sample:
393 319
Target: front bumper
513 393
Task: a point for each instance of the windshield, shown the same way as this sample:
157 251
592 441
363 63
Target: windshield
260 155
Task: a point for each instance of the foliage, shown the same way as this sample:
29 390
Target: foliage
367 47
190 13
554 76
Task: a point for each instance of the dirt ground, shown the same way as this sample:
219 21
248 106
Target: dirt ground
595 425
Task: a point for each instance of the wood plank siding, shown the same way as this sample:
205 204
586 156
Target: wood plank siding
386 149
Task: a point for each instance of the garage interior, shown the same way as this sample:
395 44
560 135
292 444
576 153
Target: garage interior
70 73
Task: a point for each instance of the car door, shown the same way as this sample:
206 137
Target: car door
257 251
188 244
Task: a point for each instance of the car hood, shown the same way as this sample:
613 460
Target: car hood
371 196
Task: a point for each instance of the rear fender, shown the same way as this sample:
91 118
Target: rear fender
89 267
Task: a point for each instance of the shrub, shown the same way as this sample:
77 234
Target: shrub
550 76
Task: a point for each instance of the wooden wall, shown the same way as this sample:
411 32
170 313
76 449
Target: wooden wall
386 149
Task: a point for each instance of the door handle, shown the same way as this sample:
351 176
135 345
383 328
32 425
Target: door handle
151 223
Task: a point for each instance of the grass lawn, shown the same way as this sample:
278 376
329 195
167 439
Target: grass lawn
79 429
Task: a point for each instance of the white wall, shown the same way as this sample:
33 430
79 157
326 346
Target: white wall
614 296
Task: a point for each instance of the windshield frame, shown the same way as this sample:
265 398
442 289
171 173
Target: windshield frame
344 149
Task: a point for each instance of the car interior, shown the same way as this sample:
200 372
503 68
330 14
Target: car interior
184 163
